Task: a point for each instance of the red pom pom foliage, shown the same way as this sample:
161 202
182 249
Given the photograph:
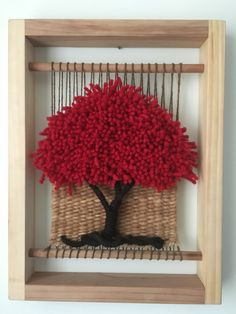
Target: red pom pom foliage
118 137
115 134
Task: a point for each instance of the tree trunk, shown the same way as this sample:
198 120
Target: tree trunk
110 230
109 237
112 209
121 190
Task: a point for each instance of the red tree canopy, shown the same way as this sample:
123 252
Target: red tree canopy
111 134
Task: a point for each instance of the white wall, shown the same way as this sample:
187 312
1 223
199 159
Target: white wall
192 9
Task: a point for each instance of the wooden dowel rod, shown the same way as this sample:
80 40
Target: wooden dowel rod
121 254
87 67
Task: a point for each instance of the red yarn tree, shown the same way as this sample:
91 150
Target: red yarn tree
118 137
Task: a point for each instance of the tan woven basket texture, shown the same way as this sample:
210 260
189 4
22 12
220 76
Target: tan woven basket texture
143 212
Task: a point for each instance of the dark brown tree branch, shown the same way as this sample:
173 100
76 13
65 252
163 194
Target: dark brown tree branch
100 196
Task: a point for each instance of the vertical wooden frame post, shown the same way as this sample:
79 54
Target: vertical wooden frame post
211 156
21 174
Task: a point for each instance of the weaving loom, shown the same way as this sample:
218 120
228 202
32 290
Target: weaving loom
145 213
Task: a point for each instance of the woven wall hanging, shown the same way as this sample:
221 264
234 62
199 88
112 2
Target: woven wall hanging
139 182
114 155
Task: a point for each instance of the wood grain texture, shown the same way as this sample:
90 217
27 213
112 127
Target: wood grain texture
121 68
212 53
145 288
121 254
16 83
29 148
117 33
21 174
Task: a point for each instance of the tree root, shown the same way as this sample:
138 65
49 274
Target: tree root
97 239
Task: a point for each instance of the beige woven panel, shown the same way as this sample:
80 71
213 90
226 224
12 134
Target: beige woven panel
143 212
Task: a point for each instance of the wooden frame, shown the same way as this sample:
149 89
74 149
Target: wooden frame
24 283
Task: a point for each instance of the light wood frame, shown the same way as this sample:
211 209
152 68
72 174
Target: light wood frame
24 283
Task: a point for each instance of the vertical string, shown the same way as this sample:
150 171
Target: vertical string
81 78
163 87
116 71
141 78
62 84
69 92
117 74
108 73
125 74
77 80
85 83
52 89
155 80
171 89
132 75
100 76
59 89
66 94
148 80
92 73
74 81
178 92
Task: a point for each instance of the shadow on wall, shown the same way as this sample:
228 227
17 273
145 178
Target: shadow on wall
229 195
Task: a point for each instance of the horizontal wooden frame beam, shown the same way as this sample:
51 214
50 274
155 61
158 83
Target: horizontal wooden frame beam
117 33
121 68
107 287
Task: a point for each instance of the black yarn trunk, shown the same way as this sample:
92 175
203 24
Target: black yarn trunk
109 237
110 230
